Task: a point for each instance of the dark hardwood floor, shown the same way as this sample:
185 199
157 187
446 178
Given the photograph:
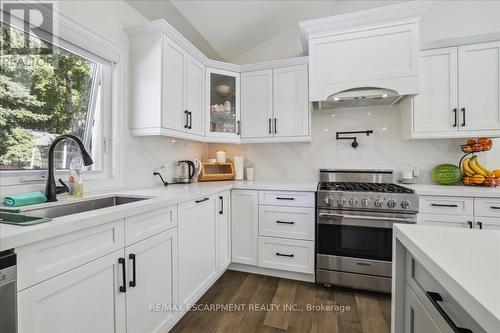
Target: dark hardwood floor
368 312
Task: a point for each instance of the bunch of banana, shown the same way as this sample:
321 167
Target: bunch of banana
474 172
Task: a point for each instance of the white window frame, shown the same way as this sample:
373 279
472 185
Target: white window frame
77 39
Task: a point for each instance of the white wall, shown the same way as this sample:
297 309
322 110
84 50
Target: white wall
383 149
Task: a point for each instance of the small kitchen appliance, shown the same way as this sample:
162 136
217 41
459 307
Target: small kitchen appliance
187 171
356 210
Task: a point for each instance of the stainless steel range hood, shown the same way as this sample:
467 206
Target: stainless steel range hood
367 96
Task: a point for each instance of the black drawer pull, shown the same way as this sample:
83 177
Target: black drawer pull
281 198
444 205
455 124
270 124
186 120
495 207
132 283
480 225
285 255
123 287
435 298
470 224
285 222
221 210
202 200
463 119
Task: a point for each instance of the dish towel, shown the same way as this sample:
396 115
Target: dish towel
25 199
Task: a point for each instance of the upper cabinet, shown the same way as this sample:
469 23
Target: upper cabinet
223 105
275 105
167 90
177 91
460 93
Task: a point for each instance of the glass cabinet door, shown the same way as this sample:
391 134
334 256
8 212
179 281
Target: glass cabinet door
223 103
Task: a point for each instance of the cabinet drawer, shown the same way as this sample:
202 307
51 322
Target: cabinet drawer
286 254
446 205
456 221
286 222
295 199
487 207
45 259
422 282
417 319
139 227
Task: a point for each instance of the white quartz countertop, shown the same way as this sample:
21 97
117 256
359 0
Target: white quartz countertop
465 262
456 190
12 236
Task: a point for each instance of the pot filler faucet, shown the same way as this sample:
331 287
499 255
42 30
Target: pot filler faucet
51 188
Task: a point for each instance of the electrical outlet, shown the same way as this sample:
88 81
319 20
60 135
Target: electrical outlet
416 171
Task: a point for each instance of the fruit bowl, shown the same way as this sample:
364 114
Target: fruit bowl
476 146
473 173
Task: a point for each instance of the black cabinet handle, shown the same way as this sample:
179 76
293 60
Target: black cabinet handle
275 126
186 120
132 283
444 205
238 127
435 298
190 120
463 116
285 222
480 225
455 124
282 198
123 287
202 200
270 125
221 210
495 207
284 255
470 224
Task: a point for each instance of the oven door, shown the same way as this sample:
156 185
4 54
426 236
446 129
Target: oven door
365 235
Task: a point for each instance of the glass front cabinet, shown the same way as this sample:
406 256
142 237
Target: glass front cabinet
223 105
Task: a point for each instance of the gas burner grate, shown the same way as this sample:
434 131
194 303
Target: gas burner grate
364 187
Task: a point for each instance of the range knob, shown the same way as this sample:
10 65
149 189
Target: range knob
378 203
405 204
365 202
329 200
391 204
353 201
341 201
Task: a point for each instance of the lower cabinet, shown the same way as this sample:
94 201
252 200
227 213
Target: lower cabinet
245 224
417 319
223 230
197 259
85 299
152 283
457 221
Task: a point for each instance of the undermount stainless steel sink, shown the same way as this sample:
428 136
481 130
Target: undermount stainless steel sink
70 208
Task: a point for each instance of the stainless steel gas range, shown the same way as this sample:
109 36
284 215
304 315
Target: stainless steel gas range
356 210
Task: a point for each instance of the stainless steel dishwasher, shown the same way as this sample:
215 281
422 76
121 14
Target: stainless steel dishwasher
8 292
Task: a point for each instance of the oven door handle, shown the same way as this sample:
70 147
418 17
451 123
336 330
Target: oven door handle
390 220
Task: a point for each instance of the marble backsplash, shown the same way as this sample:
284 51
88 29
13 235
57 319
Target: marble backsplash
384 149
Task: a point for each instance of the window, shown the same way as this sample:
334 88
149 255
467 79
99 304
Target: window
55 88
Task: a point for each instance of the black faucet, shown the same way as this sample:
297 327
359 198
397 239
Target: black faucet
50 188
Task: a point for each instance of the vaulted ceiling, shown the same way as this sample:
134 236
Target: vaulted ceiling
231 28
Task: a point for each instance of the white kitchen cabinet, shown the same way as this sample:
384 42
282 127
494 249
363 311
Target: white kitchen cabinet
446 220
244 226
168 86
85 299
479 86
435 109
417 319
194 92
152 281
197 248
172 86
286 254
257 104
223 230
291 101
460 93
222 105
275 104
141 226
